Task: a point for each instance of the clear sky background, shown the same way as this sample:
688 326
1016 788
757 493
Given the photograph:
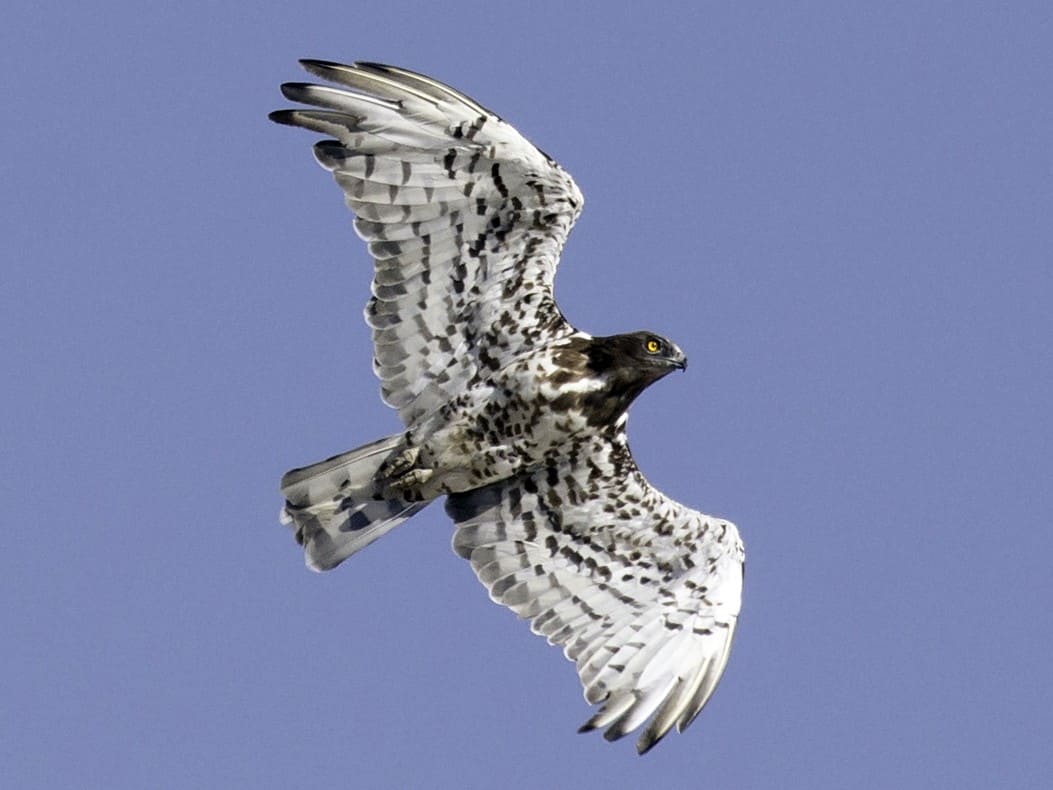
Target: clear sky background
841 211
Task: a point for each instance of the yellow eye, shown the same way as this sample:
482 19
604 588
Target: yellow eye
653 346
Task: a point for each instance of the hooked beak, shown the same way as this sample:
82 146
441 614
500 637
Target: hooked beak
678 359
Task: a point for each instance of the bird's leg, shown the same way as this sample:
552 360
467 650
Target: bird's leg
399 472
398 464
411 479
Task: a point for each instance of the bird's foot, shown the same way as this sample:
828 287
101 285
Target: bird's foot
411 479
399 464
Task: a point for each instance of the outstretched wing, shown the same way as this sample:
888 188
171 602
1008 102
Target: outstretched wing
464 217
642 592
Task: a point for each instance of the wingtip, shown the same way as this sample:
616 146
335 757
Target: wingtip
644 744
294 91
284 117
649 739
326 69
310 64
372 65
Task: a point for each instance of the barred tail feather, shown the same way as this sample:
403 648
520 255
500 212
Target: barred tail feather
336 508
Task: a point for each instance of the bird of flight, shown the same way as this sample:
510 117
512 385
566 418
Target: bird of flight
518 418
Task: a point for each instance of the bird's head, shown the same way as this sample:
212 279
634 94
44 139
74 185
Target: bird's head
644 356
655 352
629 364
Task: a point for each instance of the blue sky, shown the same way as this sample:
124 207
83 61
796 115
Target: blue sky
840 211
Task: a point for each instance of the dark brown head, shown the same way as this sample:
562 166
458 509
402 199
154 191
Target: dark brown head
629 363
646 353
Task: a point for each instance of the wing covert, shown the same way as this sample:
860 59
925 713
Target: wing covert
464 217
642 592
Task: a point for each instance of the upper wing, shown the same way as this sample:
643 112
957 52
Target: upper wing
465 219
642 592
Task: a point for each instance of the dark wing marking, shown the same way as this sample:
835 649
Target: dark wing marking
464 217
642 592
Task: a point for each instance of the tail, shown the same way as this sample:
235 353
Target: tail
337 508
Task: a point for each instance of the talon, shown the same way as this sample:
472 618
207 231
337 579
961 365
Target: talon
398 465
412 479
